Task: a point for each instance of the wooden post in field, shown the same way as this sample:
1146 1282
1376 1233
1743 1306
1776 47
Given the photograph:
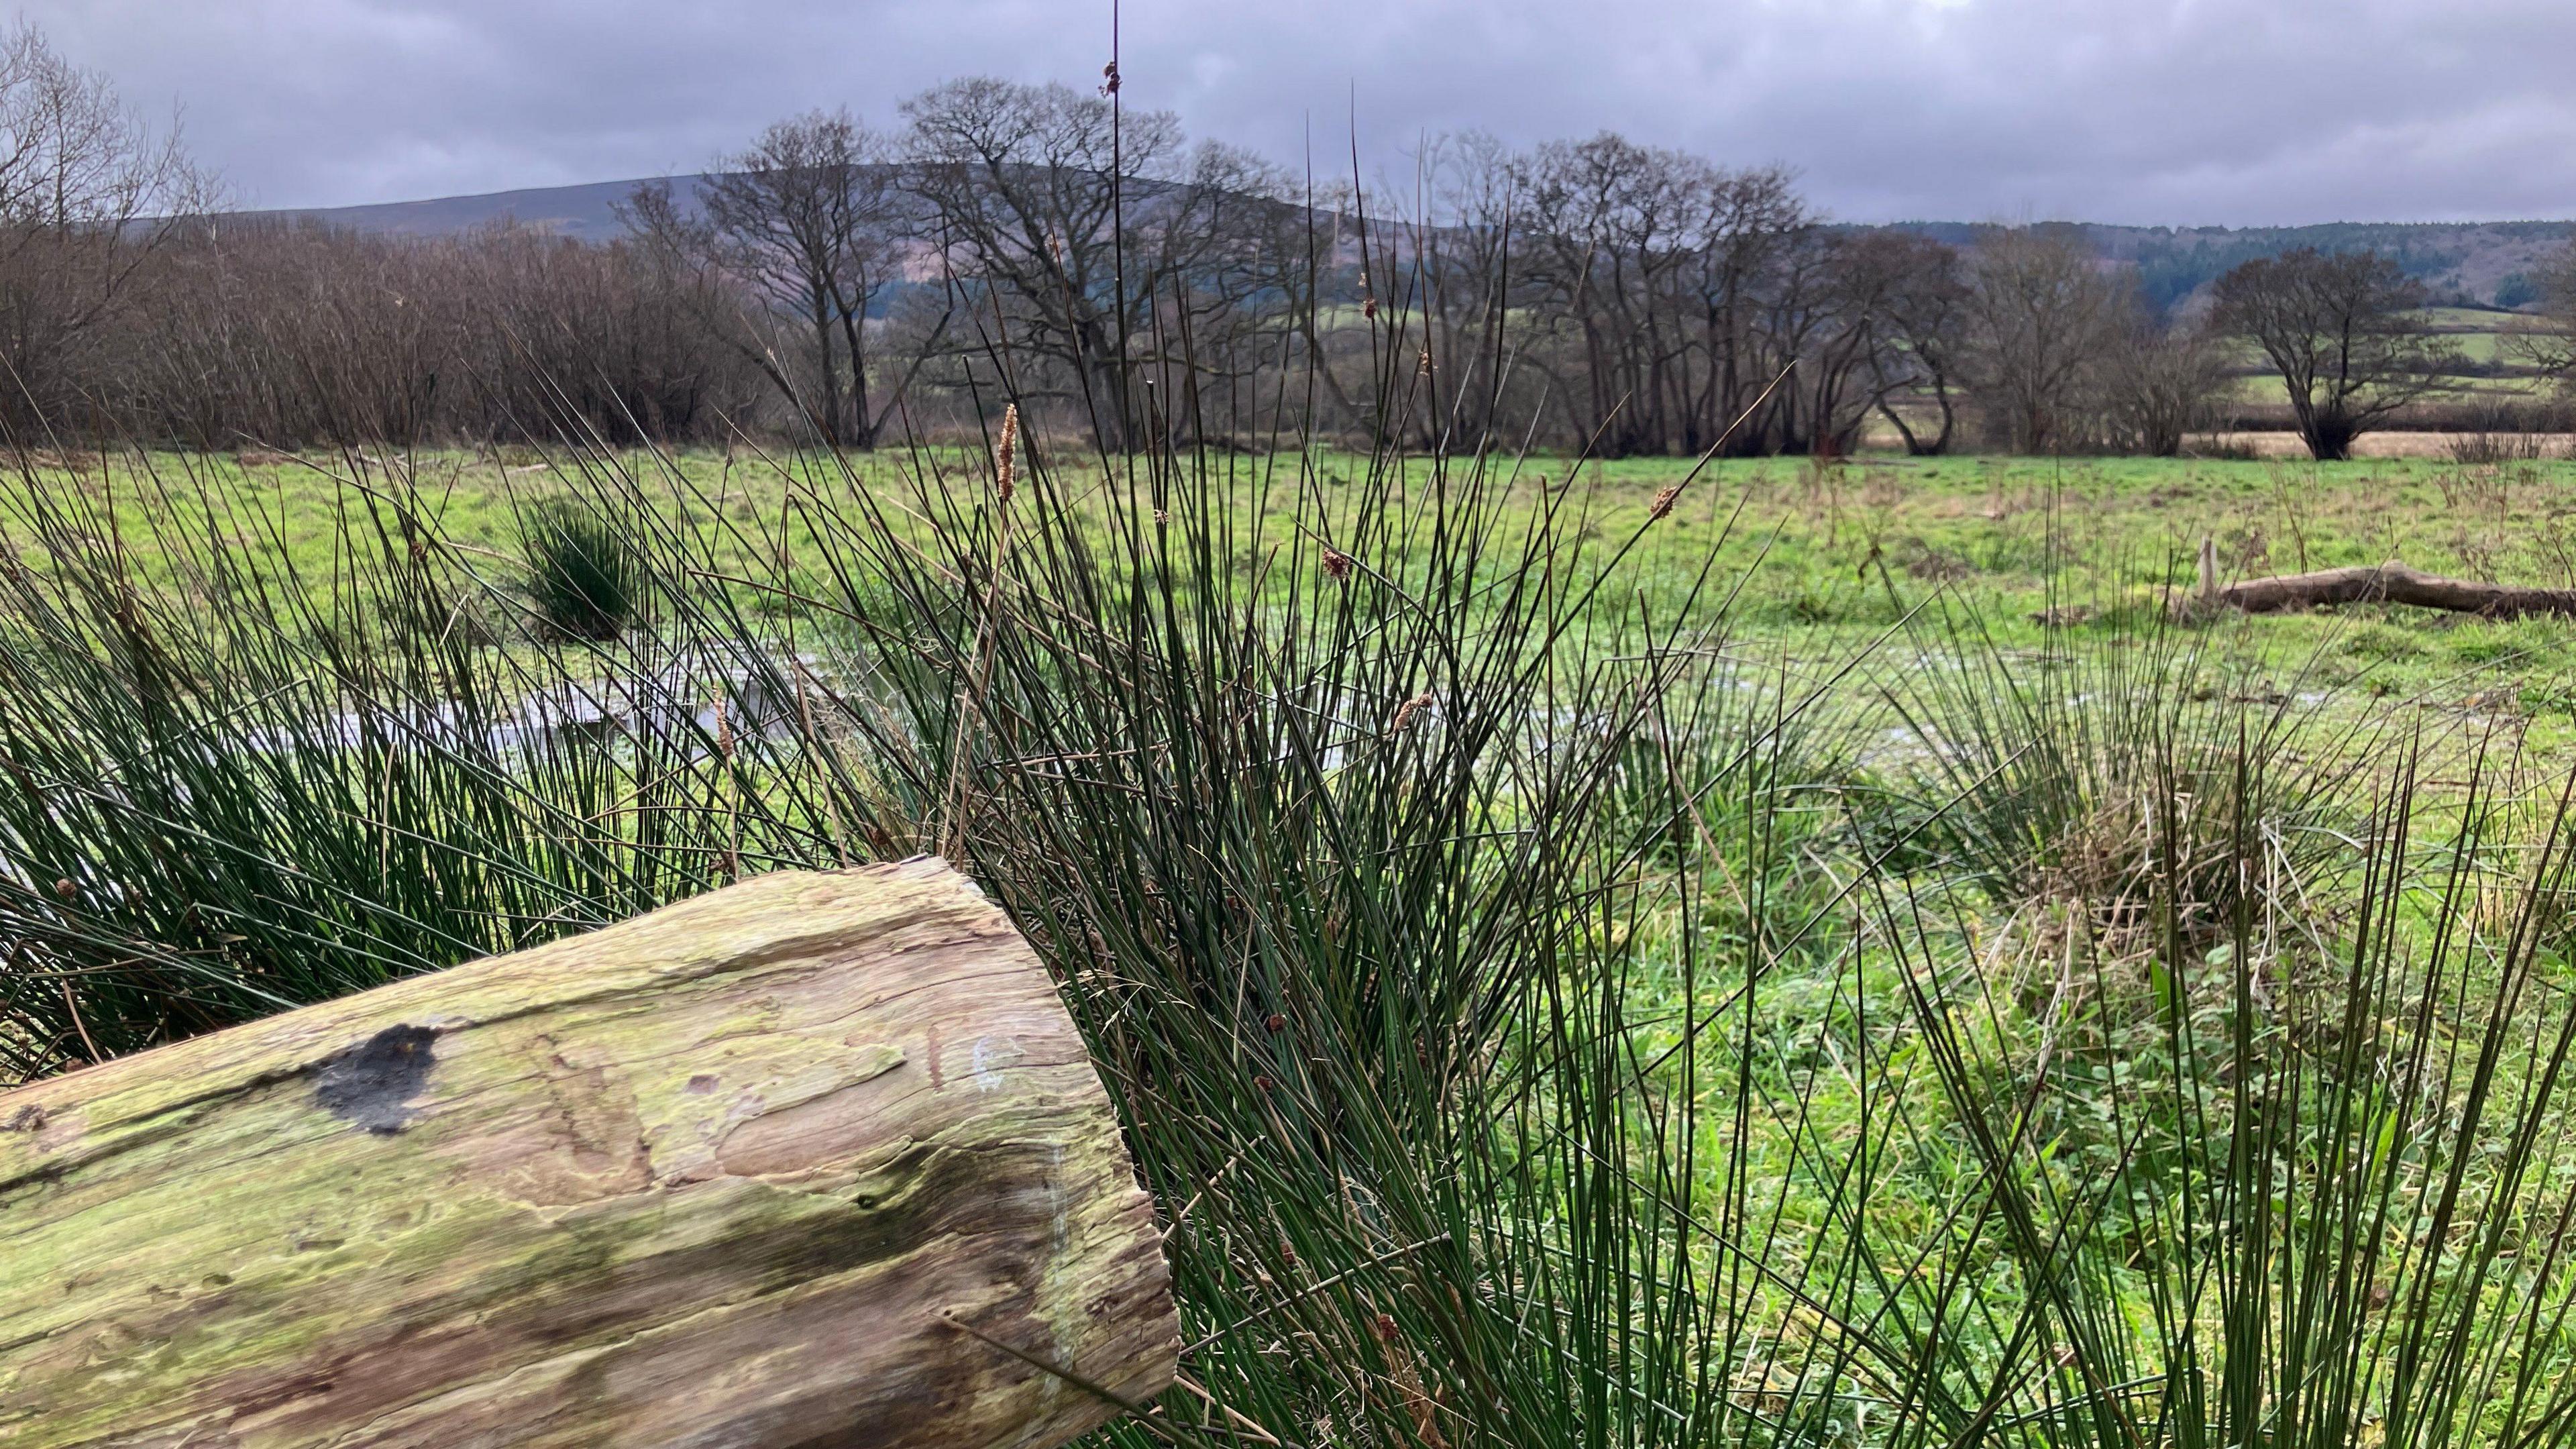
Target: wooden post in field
815 1160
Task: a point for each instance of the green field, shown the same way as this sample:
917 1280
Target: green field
1821 957
1829 558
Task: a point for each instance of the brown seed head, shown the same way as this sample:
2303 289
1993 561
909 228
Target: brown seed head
1276 1023
1405 712
1337 565
65 889
1003 451
1664 501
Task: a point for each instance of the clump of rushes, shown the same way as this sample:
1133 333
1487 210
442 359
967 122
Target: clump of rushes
230 785
2327 1203
2085 779
582 573
1317 853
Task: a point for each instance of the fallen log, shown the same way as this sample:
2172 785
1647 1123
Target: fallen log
2392 583
813 1160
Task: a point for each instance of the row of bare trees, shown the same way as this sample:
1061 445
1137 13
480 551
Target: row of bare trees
1031 229
1050 245
1597 293
130 303
1654 301
82 181
260 331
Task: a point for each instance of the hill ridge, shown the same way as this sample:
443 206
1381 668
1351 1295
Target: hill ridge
2474 263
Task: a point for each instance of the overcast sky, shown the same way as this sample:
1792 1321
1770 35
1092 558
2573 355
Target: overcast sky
2147 111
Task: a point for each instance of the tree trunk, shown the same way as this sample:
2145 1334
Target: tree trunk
2393 583
854 326
814 1160
1106 376
828 375
1913 446
2329 434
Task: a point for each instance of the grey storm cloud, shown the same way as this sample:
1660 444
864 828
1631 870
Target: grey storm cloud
2144 111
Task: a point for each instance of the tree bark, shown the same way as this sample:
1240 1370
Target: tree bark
814 1160
2393 583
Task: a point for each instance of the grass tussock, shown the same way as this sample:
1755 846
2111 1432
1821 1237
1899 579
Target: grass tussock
581 578
2113 778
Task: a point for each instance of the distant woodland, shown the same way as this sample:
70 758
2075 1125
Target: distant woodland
1089 260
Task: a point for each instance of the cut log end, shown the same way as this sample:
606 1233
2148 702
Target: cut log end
817 1159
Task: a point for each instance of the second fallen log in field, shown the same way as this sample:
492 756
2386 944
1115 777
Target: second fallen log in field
2391 583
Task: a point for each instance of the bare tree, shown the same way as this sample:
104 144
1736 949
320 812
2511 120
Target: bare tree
88 192
1109 252
1923 305
1752 241
1612 245
2548 342
2346 334
2164 379
1671 292
2042 319
1829 311
812 220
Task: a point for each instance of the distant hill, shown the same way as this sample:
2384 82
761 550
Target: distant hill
2477 264
586 212
2481 264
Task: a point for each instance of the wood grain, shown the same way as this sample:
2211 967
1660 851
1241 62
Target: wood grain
730 1175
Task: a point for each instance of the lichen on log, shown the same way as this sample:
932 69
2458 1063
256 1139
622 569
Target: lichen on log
818 1159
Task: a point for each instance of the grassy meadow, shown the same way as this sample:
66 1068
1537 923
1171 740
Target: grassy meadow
1602 954
1826 560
